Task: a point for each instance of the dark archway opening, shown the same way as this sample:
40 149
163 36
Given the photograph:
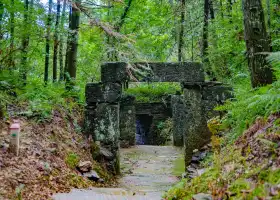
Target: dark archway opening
143 129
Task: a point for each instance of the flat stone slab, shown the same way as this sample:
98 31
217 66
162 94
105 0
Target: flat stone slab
152 72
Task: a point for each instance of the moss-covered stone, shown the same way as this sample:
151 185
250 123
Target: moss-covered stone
197 133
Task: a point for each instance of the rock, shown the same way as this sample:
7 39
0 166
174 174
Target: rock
202 196
92 175
44 166
184 175
85 166
106 153
101 180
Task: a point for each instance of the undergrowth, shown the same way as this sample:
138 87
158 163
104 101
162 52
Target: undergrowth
152 92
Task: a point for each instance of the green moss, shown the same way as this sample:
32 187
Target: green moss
179 166
239 185
153 92
72 160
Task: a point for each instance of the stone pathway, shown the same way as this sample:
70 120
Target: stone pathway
148 172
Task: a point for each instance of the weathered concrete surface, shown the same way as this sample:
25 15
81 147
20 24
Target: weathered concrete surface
197 132
127 122
103 93
153 72
153 109
106 132
214 94
148 173
179 118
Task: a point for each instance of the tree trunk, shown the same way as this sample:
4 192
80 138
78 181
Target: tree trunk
257 43
25 43
229 8
56 41
221 9
73 42
181 33
47 56
61 37
66 71
211 7
268 15
205 45
12 32
1 18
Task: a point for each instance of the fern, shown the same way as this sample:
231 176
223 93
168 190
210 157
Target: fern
262 101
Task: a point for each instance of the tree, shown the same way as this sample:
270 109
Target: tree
25 42
257 43
1 18
181 32
204 48
47 56
61 41
73 41
12 32
56 41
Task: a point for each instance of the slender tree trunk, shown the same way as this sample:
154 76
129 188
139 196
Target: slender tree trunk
205 45
221 9
257 43
181 33
66 70
47 56
211 7
12 32
56 41
25 43
268 15
118 29
61 75
229 9
1 18
73 43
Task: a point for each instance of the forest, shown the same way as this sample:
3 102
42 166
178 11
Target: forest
53 51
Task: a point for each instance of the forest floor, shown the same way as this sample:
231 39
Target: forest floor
49 153
148 172
244 168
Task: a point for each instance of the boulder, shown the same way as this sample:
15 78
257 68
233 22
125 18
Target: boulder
92 175
85 166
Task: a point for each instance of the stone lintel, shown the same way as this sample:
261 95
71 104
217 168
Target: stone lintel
152 72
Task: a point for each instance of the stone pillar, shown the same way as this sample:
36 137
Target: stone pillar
197 133
102 122
214 94
127 122
179 113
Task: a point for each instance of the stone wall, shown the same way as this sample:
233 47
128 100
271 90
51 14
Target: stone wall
159 113
197 133
127 121
179 118
102 122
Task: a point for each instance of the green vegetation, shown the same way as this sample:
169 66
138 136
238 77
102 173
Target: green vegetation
153 92
72 160
49 51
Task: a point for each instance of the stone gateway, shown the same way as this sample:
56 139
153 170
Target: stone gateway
111 117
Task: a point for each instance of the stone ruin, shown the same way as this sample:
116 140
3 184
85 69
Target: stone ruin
110 117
